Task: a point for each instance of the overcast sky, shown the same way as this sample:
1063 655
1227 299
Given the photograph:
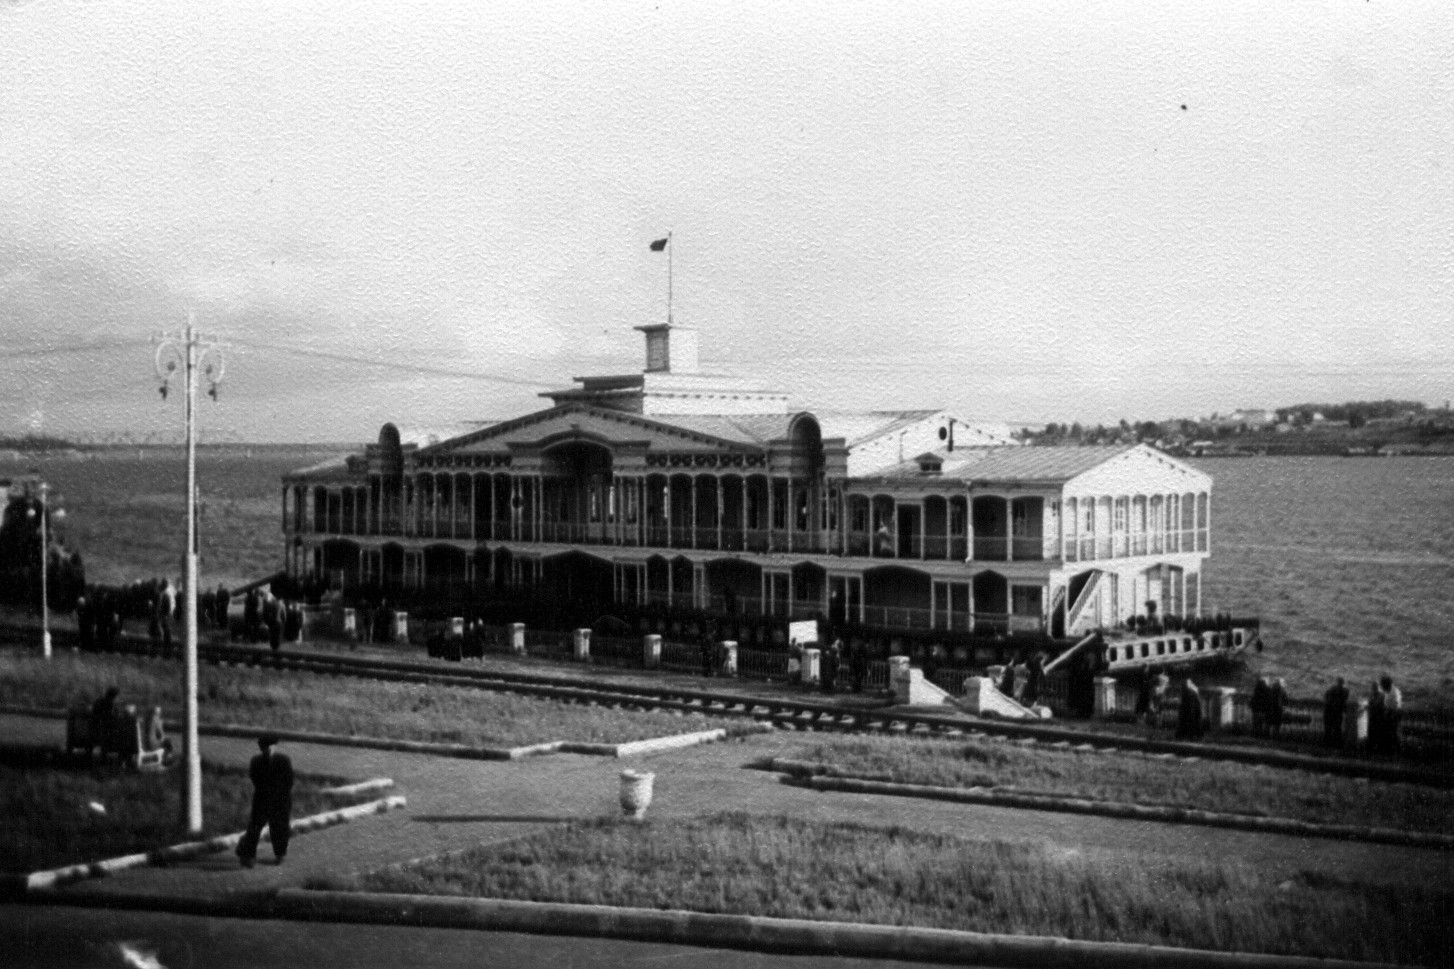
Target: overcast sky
429 213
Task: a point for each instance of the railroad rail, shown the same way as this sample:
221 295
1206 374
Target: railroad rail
785 712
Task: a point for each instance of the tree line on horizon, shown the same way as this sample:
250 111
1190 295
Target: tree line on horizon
1353 414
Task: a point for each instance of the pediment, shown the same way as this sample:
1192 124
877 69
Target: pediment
613 429
1141 470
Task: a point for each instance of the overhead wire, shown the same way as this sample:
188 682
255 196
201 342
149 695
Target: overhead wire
403 366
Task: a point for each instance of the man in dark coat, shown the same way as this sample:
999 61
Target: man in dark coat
85 623
1335 702
273 618
272 802
1189 722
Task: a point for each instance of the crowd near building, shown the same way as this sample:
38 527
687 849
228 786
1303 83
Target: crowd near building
685 490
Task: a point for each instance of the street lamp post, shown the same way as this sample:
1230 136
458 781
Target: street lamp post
189 352
45 649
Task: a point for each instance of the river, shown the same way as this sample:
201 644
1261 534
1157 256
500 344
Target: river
1348 561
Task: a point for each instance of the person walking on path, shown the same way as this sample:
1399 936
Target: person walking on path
1334 703
272 802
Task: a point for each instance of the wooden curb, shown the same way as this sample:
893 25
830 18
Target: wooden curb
55 877
766 934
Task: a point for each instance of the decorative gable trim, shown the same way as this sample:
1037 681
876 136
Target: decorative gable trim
431 455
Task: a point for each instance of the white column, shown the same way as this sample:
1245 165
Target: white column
1009 530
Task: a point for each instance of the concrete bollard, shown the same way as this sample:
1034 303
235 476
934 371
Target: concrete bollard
582 643
456 625
1105 697
651 651
348 623
401 626
1221 707
811 674
517 638
1355 724
729 658
899 679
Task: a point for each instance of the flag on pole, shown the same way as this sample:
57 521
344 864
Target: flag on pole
658 245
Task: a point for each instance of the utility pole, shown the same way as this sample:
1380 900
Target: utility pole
189 352
44 567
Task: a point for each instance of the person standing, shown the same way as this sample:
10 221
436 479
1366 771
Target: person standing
1334 703
1376 720
273 618
1276 707
251 607
1261 700
365 624
1034 680
166 607
1160 682
221 600
1393 711
1189 722
272 802
85 624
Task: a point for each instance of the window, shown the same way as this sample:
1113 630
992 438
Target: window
1019 519
1120 521
1025 600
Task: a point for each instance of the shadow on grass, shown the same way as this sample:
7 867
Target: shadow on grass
465 818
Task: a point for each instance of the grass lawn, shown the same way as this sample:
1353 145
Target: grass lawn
343 705
787 868
1207 785
45 798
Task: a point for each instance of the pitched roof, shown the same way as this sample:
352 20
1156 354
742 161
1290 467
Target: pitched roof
1052 464
745 428
331 469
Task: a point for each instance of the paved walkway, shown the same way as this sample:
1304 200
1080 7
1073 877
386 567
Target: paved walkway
456 804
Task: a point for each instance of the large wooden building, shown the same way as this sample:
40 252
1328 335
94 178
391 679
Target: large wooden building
702 491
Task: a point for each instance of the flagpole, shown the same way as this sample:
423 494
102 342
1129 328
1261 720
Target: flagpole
668 277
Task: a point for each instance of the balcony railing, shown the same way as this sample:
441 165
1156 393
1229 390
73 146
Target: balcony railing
658 534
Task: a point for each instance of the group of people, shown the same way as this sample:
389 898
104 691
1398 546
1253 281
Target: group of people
1027 690
110 724
102 611
265 615
836 659
271 772
1268 706
1152 699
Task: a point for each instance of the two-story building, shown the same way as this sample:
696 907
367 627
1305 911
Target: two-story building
708 492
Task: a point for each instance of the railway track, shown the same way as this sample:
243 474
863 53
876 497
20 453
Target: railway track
786 711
